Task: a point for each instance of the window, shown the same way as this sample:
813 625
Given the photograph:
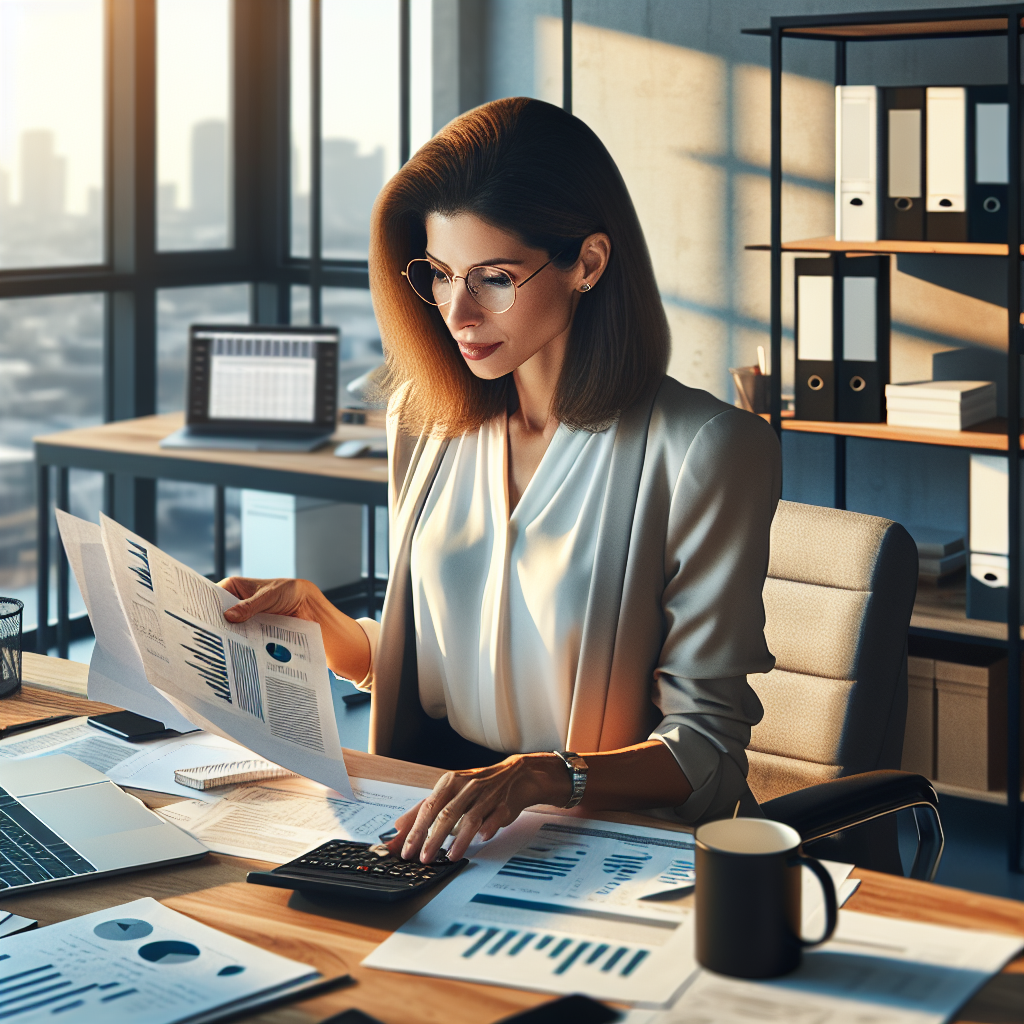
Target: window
51 133
51 378
194 165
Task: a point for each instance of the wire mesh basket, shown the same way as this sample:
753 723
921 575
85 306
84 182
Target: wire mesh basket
11 610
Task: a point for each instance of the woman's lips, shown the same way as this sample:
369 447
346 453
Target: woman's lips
478 351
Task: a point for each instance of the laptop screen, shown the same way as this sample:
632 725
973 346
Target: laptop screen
245 378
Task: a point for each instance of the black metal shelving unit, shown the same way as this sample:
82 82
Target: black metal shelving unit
938 23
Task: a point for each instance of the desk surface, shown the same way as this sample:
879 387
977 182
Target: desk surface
142 436
335 939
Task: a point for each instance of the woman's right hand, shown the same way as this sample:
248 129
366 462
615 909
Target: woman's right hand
346 645
297 598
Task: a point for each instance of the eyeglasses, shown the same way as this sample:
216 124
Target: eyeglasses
492 288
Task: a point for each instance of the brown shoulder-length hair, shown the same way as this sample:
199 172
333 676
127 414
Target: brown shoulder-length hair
535 171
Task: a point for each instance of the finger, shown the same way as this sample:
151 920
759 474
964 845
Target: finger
444 789
473 803
403 823
264 599
240 586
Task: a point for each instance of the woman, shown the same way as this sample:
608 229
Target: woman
578 542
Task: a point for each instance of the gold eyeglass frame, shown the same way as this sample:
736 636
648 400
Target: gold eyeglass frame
452 278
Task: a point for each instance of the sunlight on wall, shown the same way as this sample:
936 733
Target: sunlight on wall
690 137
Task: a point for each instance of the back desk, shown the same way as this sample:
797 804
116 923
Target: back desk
335 938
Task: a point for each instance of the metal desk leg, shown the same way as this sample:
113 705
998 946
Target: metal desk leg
219 552
63 612
371 560
42 558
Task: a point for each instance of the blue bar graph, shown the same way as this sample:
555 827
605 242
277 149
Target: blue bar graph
45 986
552 953
210 661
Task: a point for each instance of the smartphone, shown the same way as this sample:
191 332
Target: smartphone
129 726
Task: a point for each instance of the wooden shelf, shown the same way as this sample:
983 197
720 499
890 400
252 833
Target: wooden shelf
990 435
840 27
891 245
944 609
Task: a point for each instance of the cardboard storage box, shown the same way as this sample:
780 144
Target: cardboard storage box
919 738
971 714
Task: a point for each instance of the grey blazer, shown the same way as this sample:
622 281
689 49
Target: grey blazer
674 620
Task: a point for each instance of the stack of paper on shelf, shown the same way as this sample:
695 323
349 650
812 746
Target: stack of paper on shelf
940 404
940 552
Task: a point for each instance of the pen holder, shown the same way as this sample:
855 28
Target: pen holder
10 645
753 388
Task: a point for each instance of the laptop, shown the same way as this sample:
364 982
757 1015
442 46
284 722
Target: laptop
62 821
259 388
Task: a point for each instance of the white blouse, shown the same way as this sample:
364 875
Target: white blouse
499 600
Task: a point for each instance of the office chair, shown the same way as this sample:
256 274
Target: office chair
838 599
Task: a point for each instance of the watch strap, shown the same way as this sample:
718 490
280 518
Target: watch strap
578 770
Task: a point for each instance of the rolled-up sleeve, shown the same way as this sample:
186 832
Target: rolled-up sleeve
716 561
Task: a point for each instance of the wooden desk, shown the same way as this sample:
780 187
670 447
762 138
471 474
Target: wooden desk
336 938
132 448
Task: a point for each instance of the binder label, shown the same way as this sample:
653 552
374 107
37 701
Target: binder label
905 154
992 156
814 318
859 318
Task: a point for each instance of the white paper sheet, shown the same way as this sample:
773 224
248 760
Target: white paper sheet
149 765
273 824
137 962
116 673
262 683
876 970
552 904
11 924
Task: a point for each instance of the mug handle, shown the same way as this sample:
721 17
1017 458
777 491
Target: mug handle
831 906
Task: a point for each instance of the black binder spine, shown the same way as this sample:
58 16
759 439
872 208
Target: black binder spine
862 356
987 164
903 166
815 339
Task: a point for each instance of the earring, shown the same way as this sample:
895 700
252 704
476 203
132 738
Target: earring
584 287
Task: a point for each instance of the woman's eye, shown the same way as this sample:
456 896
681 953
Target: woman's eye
497 280
439 275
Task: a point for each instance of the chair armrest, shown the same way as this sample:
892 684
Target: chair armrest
830 807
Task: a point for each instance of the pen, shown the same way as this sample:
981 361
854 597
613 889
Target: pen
37 724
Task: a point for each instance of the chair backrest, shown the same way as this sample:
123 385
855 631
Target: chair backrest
838 599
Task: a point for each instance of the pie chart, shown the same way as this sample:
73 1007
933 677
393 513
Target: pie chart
123 929
169 951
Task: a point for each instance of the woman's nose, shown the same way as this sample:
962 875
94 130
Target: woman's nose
463 310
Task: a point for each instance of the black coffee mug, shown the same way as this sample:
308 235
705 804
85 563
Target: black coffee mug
748 898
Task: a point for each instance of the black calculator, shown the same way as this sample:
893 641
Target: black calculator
361 870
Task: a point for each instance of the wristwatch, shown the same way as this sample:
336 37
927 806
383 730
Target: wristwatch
578 769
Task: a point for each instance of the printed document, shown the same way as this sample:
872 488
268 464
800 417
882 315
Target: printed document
138 962
271 823
147 765
875 970
116 673
554 904
262 683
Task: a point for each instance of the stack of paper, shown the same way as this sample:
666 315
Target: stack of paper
940 404
564 905
140 962
278 824
168 650
875 970
939 552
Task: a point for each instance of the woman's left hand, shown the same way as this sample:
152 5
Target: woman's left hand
480 802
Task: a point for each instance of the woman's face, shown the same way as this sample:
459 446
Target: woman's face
494 344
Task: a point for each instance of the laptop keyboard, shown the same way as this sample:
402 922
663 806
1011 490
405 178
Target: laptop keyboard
31 852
